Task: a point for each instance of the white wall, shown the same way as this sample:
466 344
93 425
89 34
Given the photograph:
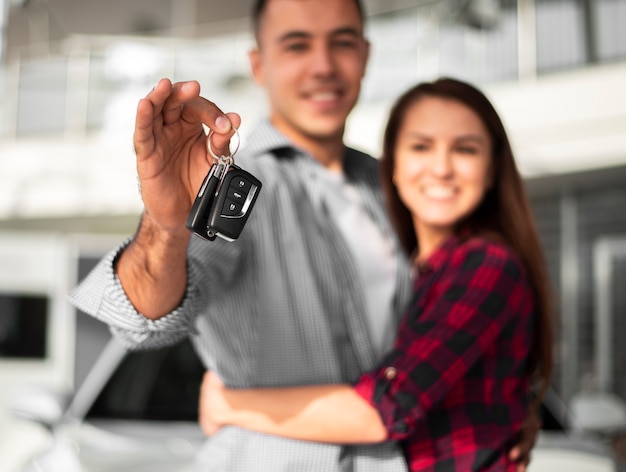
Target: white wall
561 123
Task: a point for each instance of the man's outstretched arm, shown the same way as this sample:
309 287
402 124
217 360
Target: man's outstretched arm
172 160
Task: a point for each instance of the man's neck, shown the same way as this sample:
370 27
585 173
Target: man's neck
329 151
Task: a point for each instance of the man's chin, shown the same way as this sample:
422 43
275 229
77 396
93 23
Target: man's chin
324 130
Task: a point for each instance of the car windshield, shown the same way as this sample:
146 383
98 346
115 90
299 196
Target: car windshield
154 385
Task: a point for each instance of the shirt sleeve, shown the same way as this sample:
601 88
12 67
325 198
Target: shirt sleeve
101 295
443 335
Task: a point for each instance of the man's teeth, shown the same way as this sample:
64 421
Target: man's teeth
324 96
439 192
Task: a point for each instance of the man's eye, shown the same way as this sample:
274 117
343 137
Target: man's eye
296 47
345 44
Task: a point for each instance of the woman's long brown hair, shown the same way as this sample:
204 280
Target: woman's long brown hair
505 209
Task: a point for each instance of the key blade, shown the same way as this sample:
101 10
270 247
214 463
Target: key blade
201 209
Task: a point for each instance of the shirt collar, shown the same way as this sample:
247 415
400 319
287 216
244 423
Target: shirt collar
439 257
266 138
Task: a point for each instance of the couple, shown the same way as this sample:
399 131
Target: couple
313 290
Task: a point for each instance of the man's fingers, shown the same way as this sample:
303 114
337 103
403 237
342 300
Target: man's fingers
198 110
522 466
182 92
169 103
514 454
148 111
144 128
161 92
220 141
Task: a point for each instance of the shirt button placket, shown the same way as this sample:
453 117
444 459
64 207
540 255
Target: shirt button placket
391 373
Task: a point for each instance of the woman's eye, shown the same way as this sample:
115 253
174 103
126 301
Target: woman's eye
467 150
419 147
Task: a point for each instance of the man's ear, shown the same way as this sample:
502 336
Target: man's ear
367 56
254 56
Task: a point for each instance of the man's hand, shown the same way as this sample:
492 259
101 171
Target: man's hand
172 160
529 430
171 149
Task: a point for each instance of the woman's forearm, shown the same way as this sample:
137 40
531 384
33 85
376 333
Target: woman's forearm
325 413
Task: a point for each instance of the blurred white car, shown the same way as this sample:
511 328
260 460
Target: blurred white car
134 412
578 440
138 412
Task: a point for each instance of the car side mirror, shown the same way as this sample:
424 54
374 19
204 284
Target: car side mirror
39 405
599 413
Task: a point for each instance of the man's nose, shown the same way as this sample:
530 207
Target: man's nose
323 62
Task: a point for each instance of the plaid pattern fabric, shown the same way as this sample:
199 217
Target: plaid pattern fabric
282 305
454 387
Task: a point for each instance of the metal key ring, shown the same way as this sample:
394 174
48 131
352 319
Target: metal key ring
232 154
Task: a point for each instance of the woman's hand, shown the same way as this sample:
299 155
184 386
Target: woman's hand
212 401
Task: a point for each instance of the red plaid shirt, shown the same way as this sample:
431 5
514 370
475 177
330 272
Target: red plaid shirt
454 387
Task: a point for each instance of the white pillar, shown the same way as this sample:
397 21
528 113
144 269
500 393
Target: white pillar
4 21
526 40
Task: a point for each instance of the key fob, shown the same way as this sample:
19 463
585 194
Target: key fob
198 218
234 202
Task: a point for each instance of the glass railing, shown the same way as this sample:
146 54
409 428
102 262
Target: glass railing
86 90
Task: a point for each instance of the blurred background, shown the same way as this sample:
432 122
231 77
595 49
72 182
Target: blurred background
72 71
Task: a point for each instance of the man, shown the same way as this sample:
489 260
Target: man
313 288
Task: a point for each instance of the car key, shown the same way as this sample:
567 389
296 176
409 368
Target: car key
235 199
198 218
225 199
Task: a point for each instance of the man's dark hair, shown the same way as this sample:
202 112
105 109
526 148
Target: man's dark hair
259 7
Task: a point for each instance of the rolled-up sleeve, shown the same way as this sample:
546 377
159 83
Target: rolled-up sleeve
456 318
101 295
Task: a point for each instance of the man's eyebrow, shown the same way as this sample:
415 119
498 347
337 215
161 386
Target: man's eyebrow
291 35
349 30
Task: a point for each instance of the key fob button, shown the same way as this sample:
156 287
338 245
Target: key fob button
231 208
241 184
236 194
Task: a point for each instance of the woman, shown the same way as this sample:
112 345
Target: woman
454 388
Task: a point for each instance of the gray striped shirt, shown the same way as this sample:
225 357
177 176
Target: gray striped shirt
280 306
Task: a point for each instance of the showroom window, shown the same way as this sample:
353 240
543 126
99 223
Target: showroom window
23 323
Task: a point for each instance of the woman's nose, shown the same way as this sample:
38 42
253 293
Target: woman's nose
441 162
